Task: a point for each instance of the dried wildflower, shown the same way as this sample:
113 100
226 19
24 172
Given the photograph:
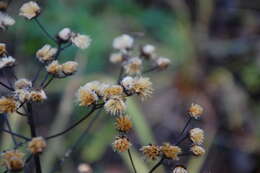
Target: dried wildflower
151 151
115 106
197 136
46 53
13 160
7 105
65 34
133 66
143 87
6 20
180 169
123 42
197 150
195 110
116 58
37 145
22 95
148 50
112 90
30 10
7 62
81 41
38 96
95 86
69 67
170 151
162 62
2 49
123 124
22 84
121 144
86 96
127 82
54 68
84 168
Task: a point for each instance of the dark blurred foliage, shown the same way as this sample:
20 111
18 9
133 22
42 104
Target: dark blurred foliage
215 49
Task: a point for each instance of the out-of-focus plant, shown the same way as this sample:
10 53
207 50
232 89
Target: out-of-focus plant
135 61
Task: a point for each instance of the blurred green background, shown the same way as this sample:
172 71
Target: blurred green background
214 47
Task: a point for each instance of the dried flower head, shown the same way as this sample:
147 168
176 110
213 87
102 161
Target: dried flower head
195 110
84 168
22 95
197 150
86 96
46 53
95 86
121 144
2 49
7 105
30 10
162 62
69 67
170 151
13 160
123 42
133 66
37 145
65 34
6 20
148 50
116 58
7 62
197 136
151 151
38 95
142 86
128 82
23 84
81 41
123 124
111 91
54 68
180 169
115 106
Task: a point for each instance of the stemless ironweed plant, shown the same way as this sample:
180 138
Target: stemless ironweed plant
23 94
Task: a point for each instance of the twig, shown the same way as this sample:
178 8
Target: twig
15 134
44 30
78 141
150 69
131 159
72 126
156 165
7 87
48 82
33 133
185 127
10 129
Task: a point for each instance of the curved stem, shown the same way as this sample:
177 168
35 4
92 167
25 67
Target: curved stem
44 30
73 125
156 165
131 159
15 134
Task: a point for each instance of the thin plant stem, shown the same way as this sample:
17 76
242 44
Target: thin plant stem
185 127
120 75
150 69
156 165
36 76
33 134
73 125
6 86
44 30
48 82
131 159
76 144
15 134
10 129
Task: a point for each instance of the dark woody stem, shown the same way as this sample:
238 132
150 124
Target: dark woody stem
7 87
131 159
150 69
15 135
33 134
73 125
44 30
156 165
76 144
185 127
48 82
